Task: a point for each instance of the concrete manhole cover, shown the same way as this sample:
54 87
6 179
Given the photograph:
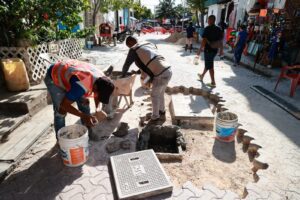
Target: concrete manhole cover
139 175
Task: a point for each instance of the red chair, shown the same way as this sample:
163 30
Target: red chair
294 76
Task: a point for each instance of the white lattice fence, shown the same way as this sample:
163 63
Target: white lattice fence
35 66
70 48
37 69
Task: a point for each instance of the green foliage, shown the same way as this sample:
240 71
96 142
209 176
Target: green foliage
166 9
141 12
36 21
198 6
85 32
106 5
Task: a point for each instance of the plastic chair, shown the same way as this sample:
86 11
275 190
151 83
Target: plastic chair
293 76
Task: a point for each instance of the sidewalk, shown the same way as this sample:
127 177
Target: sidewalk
248 61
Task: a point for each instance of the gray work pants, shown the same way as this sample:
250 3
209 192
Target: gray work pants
159 86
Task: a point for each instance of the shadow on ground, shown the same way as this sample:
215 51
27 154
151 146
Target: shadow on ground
257 103
224 151
48 178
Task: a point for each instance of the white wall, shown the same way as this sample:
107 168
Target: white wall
241 9
216 11
109 17
249 4
280 3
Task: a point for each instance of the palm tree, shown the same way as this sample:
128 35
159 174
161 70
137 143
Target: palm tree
198 6
165 9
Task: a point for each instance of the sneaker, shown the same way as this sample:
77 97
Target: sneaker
162 112
154 121
211 85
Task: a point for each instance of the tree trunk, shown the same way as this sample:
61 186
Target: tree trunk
202 20
197 17
94 18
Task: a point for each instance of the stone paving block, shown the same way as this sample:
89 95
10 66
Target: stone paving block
70 191
85 183
261 162
207 195
255 144
177 192
248 136
77 197
98 178
229 195
97 191
218 193
254 191
189 186
186 194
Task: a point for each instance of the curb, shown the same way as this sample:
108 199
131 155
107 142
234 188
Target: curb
249 65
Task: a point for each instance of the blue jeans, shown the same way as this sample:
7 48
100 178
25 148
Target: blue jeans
238 54
57 95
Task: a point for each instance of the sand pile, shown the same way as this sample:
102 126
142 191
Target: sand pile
181 41
174 37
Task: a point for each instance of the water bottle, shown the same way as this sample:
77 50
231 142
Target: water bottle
196 60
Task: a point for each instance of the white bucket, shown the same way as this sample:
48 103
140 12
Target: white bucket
74 144
226 126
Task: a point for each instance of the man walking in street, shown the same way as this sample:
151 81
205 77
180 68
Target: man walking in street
148 60
240 44
189 37
212 40
139 28
73 81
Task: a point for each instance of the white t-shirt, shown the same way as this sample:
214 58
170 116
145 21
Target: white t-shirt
139 26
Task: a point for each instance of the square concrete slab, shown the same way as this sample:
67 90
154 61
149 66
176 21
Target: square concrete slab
30 101
191 110
9 122
4 168
139 175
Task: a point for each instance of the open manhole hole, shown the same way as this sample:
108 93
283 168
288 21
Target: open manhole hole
166 141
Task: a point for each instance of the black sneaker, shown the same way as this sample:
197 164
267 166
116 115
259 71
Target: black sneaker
162 113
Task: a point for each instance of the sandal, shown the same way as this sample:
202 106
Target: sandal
211 85
200 77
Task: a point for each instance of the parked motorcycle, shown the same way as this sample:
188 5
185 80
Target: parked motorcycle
121 36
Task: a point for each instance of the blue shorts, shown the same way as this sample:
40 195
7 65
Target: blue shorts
209 59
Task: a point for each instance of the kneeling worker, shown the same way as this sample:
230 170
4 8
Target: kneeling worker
157 69
73 81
